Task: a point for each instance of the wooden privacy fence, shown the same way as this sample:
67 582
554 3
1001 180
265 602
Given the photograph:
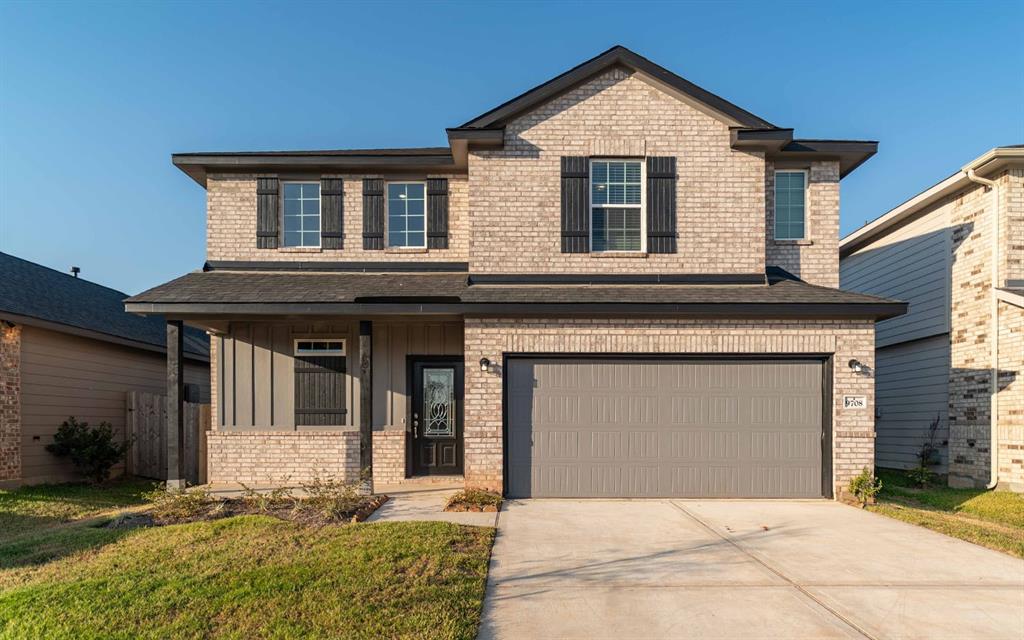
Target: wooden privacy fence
146 425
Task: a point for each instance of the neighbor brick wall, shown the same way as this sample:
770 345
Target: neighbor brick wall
1011 397
853 430
515 192
10 403
816 259
231 224
276 458
970 350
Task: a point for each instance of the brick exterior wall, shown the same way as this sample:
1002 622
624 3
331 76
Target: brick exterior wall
515 192
10 403
231 224
281 457
853 430
388 456
1011 397
815 259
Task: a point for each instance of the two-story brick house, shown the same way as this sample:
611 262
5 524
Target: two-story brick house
615 284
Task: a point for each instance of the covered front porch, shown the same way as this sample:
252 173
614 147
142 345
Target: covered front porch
296 398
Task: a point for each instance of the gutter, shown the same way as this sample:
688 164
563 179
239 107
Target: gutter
994 323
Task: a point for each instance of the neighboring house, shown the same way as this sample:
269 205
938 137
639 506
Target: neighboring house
615 284
67 348
956 253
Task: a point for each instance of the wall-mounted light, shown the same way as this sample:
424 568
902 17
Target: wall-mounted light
856 365
485 365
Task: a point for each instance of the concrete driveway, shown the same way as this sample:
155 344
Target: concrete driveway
740 569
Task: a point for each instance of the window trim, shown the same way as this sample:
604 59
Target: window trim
319 214
387 216
775 200
643 204
296 351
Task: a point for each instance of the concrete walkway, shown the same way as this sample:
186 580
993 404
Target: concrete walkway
740 569
410 502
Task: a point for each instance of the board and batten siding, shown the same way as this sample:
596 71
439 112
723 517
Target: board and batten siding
911 389
913 264
64 375
255 376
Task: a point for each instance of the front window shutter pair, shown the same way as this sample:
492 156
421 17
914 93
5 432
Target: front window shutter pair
373 213
661 205
332 209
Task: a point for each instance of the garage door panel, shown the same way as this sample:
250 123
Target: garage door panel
634 428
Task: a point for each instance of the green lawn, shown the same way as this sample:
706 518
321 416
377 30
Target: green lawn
994 519
30 509
241 577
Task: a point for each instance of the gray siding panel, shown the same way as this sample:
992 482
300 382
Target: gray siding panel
660 428
912 265
64 375
911 388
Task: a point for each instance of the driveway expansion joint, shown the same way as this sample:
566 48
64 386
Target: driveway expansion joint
775 571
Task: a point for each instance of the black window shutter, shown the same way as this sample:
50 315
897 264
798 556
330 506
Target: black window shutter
266 213
320 390
575 213
661 205
373 213
437 213
332 212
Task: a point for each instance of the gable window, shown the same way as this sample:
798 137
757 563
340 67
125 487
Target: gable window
616 205
320 382
301 214
790 205
407 219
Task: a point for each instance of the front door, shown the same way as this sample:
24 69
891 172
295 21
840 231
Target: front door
436 416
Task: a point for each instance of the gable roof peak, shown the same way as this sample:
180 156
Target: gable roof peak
621 56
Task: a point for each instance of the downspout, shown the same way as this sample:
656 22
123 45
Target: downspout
994 324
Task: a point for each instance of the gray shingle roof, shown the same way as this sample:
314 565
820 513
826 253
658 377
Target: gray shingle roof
34 291
254 287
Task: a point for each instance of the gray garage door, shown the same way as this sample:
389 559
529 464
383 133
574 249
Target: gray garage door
664 428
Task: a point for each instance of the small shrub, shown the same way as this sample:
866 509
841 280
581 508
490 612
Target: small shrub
478 499
865 487
93 450
267 501
930 453
332 498
921 476
173 506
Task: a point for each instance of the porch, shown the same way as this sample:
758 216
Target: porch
294 399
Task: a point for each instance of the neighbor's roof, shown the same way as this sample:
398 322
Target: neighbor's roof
36 295
985 164
310 293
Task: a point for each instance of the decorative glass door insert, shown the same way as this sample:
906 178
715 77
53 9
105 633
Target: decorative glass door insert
439 403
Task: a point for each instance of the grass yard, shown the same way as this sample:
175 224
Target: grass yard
994 519
241 577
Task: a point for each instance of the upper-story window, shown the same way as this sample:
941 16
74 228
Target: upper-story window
407 219
301 214
790 205
616 205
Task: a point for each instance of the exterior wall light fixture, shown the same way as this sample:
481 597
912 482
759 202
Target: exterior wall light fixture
856 365
485 365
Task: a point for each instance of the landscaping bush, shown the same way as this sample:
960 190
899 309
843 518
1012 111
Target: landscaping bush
331 498
865 487
473 500
171 506
93 450
267 501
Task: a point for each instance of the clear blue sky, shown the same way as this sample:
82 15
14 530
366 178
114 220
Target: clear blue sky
96 97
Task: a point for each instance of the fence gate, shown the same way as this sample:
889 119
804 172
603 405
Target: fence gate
146 425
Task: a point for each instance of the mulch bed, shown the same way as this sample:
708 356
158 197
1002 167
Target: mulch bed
217 508
474 500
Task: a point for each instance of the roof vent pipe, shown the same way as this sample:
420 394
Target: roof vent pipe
75 271
994 324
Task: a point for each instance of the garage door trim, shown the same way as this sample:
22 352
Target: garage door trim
826 360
